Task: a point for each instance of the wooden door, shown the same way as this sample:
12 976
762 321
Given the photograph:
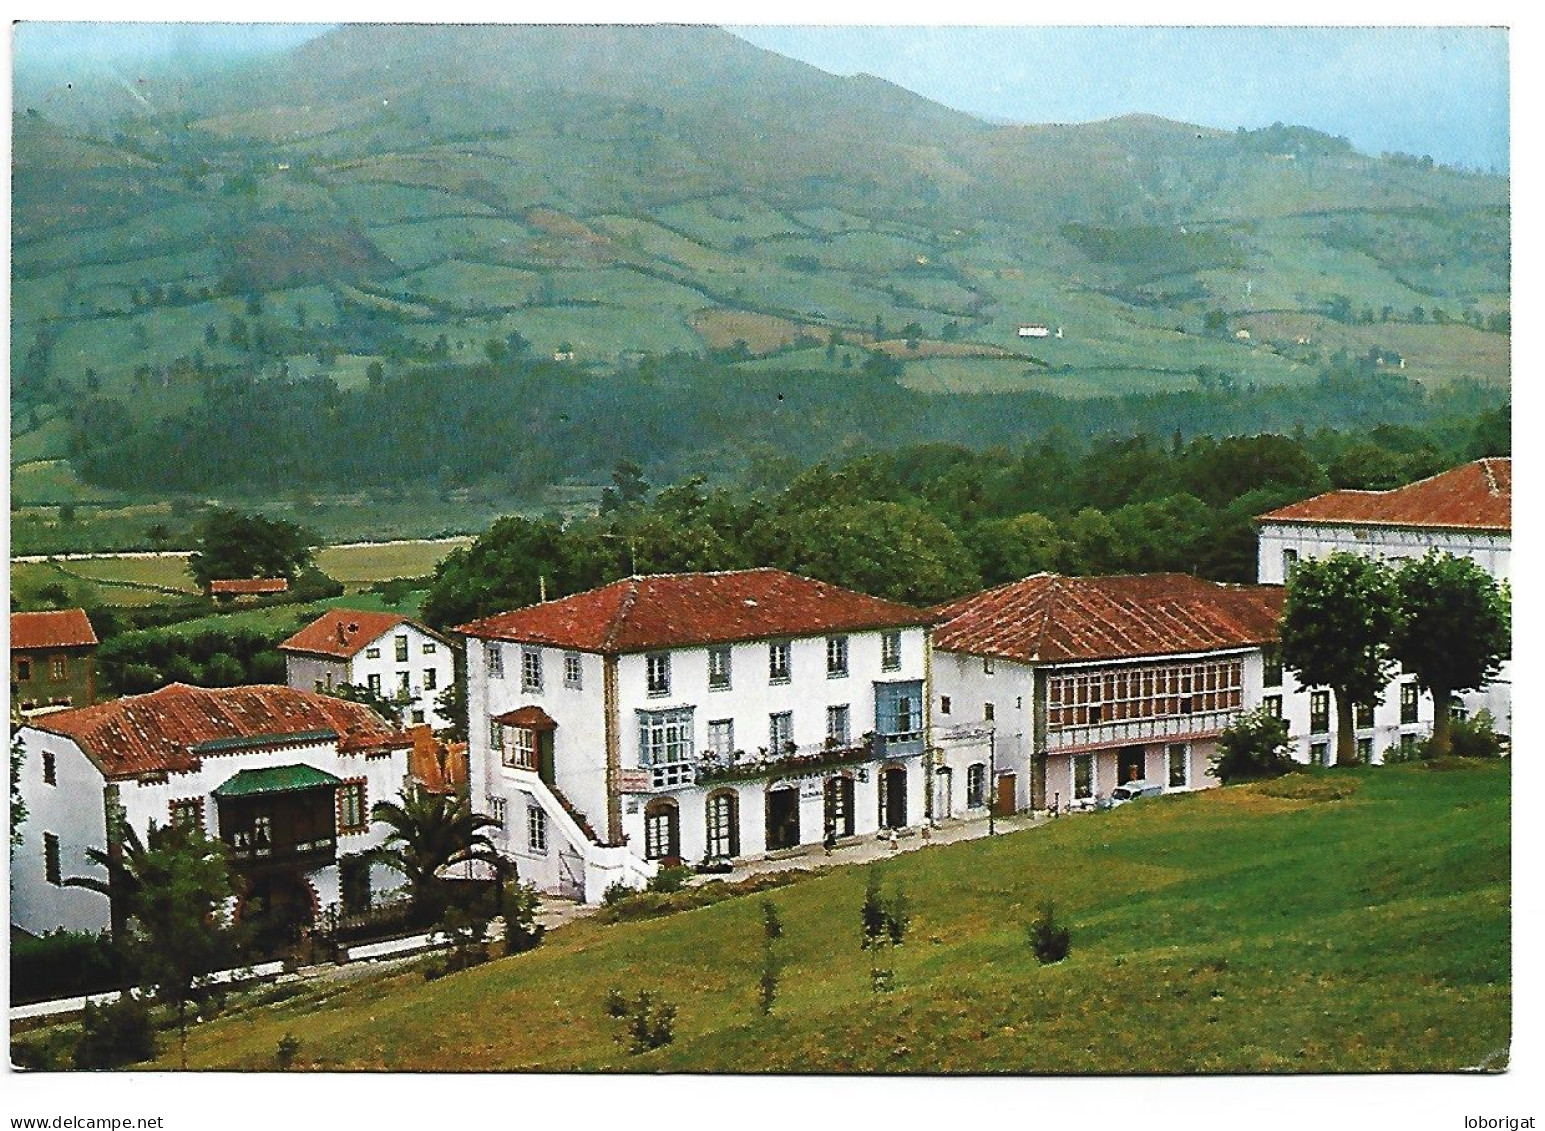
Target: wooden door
1008 790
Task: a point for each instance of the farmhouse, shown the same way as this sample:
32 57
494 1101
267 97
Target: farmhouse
1466 511
683 717
387 653
1061 688
53 660
285 778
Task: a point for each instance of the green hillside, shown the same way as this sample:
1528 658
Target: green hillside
386 200
1341 921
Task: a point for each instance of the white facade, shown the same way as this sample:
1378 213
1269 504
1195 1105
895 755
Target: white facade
612 704
73 810
404 662
1282 545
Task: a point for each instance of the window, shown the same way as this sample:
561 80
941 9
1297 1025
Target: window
989 665
898 710
944 704
530 669
61 668
49 769
836 657
1083 776
187 813
718 668
1155 691
665 746
658 669
1319 753
573 671
429 648
374 682
1365 750
723 815
521 754
400 643
1408 703
429 679
662 830
1179 765
721 739
495 734
416 716
536 829
1289 564
839 725
352 816
989 712
498 809
402 681
778 661
1362 716
780 731
1319 712
23 671
372 653
976 785
1272 704
890 651
1271 660
493 659
51 859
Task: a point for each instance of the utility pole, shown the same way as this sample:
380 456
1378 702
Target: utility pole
992 781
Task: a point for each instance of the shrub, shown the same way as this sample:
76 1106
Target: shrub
1253 747
64 964
1476 738
521 930
115 1034
616 1003
1049 939
616 892
285 1052
882 921
50 1050
671 878
648 1024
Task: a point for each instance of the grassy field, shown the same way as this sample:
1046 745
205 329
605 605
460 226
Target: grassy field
1351 920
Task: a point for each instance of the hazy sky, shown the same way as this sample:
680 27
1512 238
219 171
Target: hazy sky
1438 91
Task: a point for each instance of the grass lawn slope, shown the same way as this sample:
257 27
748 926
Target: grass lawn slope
1351 920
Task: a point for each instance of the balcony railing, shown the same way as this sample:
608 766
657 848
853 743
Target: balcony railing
244 851
713 768
1138 730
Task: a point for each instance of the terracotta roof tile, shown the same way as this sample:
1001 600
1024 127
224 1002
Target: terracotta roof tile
241 586
171 729
66 628
527 718
1049 618
1477 496
344 633
681 609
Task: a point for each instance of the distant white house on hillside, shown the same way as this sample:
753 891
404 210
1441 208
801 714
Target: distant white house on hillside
1039 331
388 653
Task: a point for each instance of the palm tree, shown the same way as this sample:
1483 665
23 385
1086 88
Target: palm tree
429 833
125 875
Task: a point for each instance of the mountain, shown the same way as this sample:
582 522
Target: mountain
383 201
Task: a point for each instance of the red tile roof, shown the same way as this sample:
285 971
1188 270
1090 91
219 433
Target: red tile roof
171 729
675 610
527 718
344 633
241 586
1475 496
1048 618
66 628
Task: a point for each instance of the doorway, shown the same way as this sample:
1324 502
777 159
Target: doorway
1007 799
893 798
1129 764
839 805
943 793
782 818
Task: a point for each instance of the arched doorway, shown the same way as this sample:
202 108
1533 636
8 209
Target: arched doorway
782 817
662 830
943 793
893 797
839 804
723 824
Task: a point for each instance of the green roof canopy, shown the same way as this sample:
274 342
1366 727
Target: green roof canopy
276 779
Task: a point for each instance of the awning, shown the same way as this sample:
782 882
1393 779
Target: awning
527 718
276 779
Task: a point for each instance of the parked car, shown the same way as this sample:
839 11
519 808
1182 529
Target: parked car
1132 791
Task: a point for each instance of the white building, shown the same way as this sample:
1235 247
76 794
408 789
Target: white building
391 655
285 778
1051 691
1466 511
692 716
